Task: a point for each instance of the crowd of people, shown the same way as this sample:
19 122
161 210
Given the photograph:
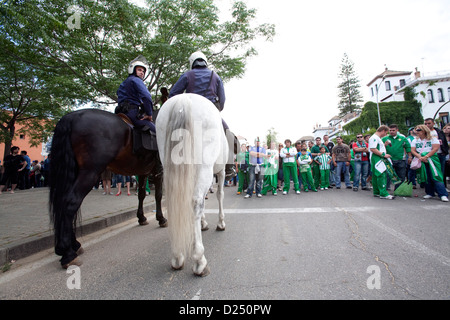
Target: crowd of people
380 162
18 171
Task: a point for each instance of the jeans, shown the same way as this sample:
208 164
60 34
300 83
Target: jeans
400 169
342 167
120 179
258 178
442 160
432 186
332 174
412 176
361 173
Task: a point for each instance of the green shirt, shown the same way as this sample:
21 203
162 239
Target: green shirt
316 149
323 159
399 145
242 158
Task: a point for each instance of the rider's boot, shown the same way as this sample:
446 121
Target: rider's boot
230 172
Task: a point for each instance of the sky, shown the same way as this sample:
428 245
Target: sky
291 85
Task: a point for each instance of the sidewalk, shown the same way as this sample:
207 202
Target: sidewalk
25 224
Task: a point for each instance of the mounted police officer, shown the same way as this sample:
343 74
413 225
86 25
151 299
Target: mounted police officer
205 82
201 80
133 94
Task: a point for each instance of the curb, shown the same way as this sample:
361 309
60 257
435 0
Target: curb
29 246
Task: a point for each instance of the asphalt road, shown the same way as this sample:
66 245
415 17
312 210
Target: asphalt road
334 244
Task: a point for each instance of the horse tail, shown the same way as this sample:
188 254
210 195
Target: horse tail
63 173
179 176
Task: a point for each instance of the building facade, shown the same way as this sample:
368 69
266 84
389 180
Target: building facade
335 126
23 142
432 89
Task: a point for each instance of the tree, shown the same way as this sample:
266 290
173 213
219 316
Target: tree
23 99
348 88
271 136
78 51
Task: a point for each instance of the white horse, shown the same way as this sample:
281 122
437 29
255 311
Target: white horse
193 147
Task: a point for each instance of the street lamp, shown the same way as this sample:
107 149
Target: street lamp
378 105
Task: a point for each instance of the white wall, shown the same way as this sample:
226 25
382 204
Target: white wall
422 84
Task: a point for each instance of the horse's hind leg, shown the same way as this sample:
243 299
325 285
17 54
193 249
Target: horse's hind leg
158 180
220 195
142 220
200 264
67 245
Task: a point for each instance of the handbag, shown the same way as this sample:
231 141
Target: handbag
404 190
415 163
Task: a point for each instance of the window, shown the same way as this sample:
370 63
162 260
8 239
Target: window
408 122
440 93
448 92
402 83
22 137
430 96
444 118
371 89
388 85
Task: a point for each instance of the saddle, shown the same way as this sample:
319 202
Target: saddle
143 139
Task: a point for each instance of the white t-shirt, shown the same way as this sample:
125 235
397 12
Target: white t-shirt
375 142
434 134
273 160
424 145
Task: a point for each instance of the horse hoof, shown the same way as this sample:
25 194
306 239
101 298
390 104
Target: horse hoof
206 228
80 251
74 262
220 228
143 223
178 268
163 224
204 273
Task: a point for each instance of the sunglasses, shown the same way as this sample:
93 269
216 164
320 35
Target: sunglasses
359 137
418 130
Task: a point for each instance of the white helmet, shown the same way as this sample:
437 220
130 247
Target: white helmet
198 55
138 62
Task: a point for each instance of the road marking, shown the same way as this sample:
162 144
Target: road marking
197 295
354 210
290 210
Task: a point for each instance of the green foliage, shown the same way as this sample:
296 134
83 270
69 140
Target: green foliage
409 94
348 88
395 112
71 53
25 99
271 136
352 136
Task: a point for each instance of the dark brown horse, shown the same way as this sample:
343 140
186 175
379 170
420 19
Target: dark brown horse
85 143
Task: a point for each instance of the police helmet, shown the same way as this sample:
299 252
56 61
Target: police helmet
198 59
138 62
